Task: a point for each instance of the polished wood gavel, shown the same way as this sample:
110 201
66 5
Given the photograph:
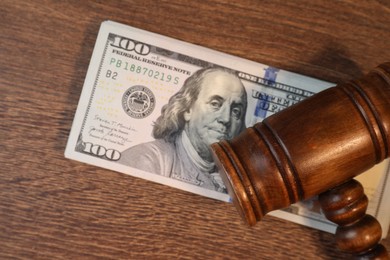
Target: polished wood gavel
316 147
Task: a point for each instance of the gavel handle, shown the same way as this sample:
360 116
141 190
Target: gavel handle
357 232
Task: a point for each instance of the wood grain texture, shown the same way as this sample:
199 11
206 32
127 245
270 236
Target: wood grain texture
55 208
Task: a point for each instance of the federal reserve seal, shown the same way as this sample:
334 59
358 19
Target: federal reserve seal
138 101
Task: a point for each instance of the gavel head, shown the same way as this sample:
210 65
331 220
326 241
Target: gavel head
308 148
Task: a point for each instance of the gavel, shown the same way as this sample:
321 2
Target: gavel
316 147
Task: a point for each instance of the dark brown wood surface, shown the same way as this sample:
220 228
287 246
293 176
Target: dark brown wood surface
55 208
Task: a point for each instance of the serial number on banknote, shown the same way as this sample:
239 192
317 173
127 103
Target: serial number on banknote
154 74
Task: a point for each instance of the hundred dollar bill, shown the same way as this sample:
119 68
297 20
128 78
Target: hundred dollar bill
152 105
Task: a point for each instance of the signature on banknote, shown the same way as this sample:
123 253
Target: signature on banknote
111 131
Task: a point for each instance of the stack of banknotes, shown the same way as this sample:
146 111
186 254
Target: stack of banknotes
151 105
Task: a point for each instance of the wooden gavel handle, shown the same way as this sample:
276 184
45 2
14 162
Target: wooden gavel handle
357 233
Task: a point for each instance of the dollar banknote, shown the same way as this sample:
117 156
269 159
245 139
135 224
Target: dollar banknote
151 106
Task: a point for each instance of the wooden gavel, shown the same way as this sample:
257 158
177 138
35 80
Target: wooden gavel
316 147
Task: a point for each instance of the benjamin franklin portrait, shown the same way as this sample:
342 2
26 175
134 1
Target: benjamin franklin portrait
210 106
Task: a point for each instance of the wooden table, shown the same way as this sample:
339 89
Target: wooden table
55 208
